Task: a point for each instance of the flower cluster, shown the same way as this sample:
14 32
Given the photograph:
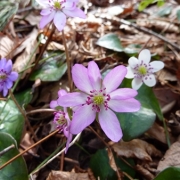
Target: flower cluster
142 70
7 76
61 118
57 10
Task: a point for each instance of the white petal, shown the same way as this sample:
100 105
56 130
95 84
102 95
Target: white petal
130 73
150 80
145 56
43 3
133 62
157 65
136 83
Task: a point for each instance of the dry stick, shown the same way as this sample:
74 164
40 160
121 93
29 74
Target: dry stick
148 32
24 115
7 149
67 61
15 157
117 172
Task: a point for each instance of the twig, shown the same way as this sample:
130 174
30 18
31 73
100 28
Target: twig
40 110
15 157
74 140
7 149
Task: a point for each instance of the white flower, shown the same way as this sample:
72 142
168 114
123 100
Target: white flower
142 70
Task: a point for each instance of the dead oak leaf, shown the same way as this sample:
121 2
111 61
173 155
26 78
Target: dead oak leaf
136 149
61 175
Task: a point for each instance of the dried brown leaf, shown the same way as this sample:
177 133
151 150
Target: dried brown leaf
61 175
171 157
144 172
111 160
136 149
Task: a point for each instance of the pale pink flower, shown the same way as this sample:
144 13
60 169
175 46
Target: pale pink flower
99 98
61 118
142 70
57 10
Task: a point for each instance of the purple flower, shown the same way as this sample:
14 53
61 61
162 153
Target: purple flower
99 97
7 76
57 10
142 70
61 118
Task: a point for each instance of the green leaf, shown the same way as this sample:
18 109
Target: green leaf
160 3
16 170
165 11
50 71
178 15
144 4
7 10
99 164
135 124
11 120
24 97
169 173
110 41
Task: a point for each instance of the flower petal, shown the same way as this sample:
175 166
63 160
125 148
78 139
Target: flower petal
157 65
114 78
69 5
8 84
75 13
110 125
123 93
53 104
46 12
8 66
69 138
94 75
137 83
62 92
81 78
126 105
72 99
13 76
46 19
130 73
145 56
43 3
3 62
5 91
150 80
133 62
82 118
59 20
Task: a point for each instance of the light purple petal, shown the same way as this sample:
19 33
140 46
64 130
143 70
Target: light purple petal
3 62
60 20
46 19
70 136
137 83
110 125
72 99
157 65
5 91
62 92
114 78
133 62
53 104
13 76
145 56
8 66
127 105
82 118
8 84
123 93
69 5
75 13
81 78
130 73
94 75
43 3
46 12
150 80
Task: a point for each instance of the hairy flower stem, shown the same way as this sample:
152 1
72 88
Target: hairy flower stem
109 149
68 62
23 114
15 157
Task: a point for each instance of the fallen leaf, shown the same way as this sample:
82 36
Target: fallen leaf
61 175
136 149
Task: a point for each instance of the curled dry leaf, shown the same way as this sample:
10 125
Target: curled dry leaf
136 149
111 160
61 175
26 57
171 157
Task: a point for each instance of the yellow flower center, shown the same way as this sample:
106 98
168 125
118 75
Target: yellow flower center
3 76
98 100
57 5
142 70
